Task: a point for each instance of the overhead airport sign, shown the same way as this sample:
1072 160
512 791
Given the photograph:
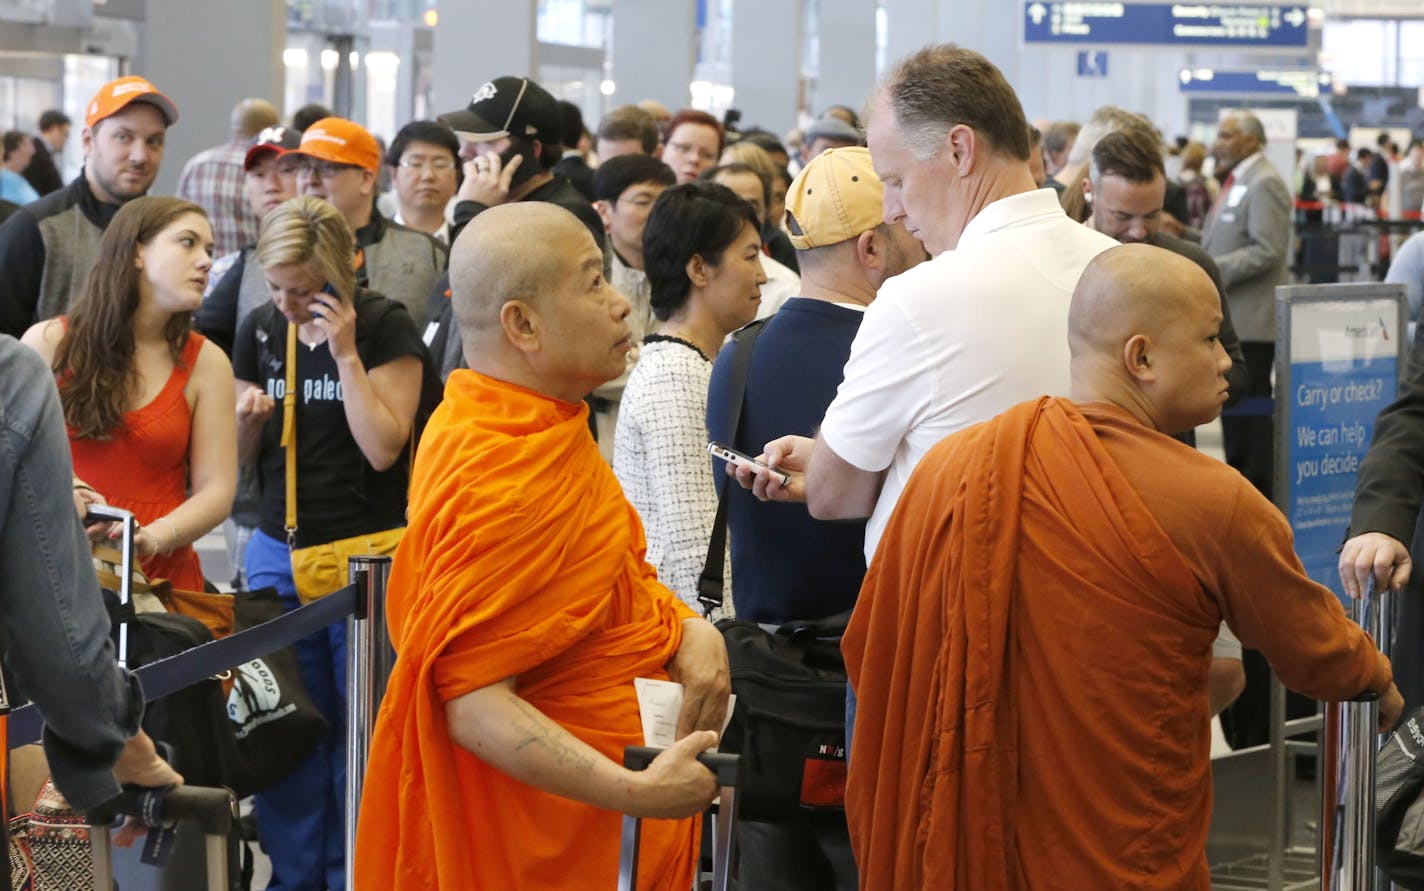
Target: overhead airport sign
1292 82
1247 25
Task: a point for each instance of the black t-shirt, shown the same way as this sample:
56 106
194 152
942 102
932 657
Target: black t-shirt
339 494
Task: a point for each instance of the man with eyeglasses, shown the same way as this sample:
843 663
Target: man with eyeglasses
339 162
425 161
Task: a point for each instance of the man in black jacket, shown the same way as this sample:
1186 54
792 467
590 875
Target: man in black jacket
43 170
48 247
1385 517
510 137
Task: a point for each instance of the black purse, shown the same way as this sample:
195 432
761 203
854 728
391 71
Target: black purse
789 721
272 718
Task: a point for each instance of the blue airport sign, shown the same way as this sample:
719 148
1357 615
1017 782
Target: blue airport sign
1092 63
1291 82
1246 25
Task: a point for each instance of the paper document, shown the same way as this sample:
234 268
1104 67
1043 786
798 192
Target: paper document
659 704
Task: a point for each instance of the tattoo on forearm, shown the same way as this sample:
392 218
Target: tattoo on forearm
534 730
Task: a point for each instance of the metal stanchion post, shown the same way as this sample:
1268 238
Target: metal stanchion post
369 659
1354 749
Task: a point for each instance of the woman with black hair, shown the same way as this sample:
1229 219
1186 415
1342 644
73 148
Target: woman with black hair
702 254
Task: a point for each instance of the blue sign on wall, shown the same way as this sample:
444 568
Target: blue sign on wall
1171 24
1092 63
1300 83
1340 368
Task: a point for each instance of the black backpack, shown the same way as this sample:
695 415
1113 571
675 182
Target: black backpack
192 720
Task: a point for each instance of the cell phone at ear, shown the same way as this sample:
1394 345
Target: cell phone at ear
522 148
742 459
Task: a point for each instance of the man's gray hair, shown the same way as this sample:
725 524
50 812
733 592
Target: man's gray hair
940 87
1250 123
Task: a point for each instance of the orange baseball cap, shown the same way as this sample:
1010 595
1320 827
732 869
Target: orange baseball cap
115 95
341 142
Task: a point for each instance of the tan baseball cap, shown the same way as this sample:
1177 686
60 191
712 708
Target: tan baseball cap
834 198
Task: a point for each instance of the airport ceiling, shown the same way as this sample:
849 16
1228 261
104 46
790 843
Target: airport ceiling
1372 8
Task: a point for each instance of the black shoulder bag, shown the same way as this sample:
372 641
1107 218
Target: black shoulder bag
1399 804
789 721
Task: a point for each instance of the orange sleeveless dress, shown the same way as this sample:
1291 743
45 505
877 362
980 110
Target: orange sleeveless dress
143 467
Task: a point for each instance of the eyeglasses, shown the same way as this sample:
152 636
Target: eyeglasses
436 165
323 169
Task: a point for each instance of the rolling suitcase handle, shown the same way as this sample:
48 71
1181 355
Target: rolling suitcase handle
213 809
728 770
126 549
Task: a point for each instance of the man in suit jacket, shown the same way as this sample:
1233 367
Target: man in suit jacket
1248 234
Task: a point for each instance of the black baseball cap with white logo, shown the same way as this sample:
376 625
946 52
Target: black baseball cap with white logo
507 106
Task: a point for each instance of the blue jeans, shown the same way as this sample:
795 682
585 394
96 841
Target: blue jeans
301 820
850 717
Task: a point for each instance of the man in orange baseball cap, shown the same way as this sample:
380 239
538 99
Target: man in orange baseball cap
47 248
340 162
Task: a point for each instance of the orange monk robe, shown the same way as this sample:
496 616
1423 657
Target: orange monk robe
1030 654
522 558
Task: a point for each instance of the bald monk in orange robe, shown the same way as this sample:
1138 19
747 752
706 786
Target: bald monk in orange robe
521 608
1030 647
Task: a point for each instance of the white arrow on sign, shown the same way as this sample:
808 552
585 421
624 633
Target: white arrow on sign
1295 16
1185 76
1037 12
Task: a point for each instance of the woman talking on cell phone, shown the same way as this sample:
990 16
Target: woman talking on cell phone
146 399
329 379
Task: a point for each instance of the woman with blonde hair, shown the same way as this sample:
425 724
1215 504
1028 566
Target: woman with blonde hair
352 362
147 400
778 182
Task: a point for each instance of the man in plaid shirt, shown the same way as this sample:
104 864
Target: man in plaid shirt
213 178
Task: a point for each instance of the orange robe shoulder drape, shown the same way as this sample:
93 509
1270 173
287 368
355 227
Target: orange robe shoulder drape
1030 654
522 558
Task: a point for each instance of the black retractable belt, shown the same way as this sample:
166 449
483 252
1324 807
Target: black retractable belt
191 666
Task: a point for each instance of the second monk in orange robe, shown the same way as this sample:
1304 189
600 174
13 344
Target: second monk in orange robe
1030 648
521 608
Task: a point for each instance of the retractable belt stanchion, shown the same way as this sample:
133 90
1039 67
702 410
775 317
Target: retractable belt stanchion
369 659
1352 750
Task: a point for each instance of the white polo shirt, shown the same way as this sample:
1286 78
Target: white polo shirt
959 339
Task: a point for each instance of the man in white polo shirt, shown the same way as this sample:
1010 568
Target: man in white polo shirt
956 340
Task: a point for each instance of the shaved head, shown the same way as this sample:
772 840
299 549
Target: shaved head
1143 331
1132 289
509 252
527 288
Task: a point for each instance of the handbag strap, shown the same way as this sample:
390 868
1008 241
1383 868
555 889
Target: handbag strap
289 434
710 584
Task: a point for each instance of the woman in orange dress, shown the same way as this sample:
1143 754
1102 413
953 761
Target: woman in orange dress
148 402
